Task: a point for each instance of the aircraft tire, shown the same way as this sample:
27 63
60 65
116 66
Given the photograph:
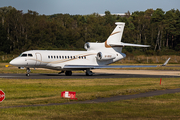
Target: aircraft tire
90 73
68 73
27 74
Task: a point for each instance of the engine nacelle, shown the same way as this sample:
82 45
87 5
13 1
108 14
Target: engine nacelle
105 56
94 46
87 46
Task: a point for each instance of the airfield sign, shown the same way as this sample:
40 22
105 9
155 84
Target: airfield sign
2 95
69 94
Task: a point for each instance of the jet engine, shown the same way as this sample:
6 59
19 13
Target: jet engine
105 56
93 46
87 46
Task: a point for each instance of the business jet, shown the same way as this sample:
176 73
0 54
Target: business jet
97 55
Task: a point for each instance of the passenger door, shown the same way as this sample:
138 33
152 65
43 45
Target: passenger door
38 59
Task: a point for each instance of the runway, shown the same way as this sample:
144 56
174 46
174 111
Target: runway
99 73
82 76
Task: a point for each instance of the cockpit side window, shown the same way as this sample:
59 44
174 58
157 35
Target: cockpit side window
30 55
24 55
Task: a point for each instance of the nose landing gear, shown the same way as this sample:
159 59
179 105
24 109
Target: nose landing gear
28 72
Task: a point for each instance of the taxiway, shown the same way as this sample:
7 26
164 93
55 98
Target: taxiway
100 74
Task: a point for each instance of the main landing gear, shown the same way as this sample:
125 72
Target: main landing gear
68 73
89 72
28 72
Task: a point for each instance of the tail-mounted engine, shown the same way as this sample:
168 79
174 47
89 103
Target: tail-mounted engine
86 46
105 56
94 46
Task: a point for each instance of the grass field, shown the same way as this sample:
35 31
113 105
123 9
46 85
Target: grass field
43 91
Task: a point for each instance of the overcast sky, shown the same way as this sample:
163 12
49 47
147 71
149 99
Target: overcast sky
84 7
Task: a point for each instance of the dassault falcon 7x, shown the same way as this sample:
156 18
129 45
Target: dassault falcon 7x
98 55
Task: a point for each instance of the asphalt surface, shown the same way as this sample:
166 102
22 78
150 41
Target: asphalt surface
110 99
82 76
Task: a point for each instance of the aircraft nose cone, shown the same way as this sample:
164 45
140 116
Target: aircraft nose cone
19 62
12 62
16 62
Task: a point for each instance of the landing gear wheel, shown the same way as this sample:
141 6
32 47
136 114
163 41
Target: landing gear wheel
68 73
89 73
28 72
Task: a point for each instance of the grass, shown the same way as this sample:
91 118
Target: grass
44 91
26 92
158 107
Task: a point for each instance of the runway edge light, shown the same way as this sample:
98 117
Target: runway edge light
69 95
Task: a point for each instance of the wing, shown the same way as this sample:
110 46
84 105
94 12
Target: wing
84 67
104 66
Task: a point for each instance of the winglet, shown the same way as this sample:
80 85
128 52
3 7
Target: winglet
166 61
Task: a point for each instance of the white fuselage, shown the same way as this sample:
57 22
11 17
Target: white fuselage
98 55
57 59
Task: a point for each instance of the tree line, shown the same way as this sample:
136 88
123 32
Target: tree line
27 31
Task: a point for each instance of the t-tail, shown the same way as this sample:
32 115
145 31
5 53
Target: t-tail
114 40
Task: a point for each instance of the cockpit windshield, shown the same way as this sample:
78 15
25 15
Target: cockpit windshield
26 55
30 55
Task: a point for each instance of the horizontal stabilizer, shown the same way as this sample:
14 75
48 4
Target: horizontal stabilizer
121 44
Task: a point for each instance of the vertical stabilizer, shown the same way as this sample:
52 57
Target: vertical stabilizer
116 35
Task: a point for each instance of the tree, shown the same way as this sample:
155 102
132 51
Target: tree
157 21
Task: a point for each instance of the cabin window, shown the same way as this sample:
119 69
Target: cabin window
51 56
48 56
54 56
24 55
74 57
30 55
79 57
65 57
62 57
59 57
71 57
68 57
84 57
